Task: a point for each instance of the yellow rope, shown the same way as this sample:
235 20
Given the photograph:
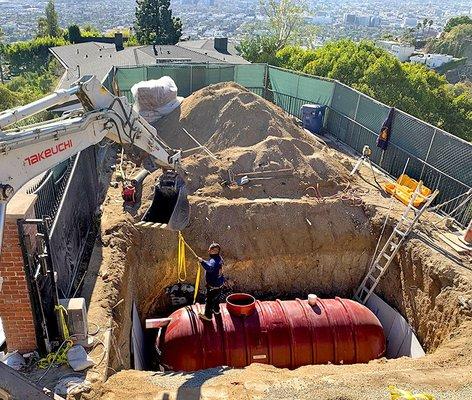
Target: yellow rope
182 264
59 357
197 283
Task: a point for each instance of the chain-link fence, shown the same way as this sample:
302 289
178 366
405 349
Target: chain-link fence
438 158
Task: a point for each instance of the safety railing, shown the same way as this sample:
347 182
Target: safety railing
394 159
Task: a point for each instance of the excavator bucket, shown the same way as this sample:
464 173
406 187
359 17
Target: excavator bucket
170 208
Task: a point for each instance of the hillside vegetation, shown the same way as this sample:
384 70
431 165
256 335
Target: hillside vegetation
410 87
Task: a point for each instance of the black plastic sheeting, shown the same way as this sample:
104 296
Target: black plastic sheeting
74 219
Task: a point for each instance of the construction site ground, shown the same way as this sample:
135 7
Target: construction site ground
313 230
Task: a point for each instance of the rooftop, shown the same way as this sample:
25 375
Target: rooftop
94 58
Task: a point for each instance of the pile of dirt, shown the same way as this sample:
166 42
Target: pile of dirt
248 135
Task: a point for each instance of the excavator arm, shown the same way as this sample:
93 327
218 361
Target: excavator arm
27 152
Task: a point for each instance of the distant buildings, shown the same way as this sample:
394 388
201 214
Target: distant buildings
432 60
405 52
410 22
320 19
362 20
399 50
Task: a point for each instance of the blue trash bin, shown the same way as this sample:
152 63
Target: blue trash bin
312 117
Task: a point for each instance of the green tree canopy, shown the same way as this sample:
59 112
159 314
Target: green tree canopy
284 24
260 49
155 24
8 98
49 25
89 30
410 87
73 34
31 56
455 21
457 42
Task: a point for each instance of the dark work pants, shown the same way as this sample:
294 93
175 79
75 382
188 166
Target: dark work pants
212 303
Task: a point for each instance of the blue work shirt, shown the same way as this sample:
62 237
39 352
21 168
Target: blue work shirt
213 275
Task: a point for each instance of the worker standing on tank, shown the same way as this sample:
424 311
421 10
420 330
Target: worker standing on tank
214 281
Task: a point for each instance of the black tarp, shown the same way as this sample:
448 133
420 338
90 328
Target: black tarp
74 220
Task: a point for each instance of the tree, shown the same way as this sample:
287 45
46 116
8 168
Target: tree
457 42
90 31
155 24
455 21
285 21
8 98
411 87
284 24
30 56
73 34
49 25
430 24
259 49
2 34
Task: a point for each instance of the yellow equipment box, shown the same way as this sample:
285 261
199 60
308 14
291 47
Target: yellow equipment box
403 189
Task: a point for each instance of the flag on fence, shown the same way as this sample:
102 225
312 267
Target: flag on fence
385 131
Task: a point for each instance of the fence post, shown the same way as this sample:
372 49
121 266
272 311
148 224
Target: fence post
357 106
429 150
16 304
191 79
266 79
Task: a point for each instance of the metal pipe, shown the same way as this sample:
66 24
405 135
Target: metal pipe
12 116
139 178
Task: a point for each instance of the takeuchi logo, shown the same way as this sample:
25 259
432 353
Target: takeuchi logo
51 151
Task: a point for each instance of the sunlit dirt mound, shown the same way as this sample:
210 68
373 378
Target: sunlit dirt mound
250 135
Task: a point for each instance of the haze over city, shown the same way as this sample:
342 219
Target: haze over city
209 18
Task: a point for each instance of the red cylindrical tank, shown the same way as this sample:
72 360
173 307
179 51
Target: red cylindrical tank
286 334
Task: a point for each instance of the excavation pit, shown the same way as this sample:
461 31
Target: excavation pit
280 239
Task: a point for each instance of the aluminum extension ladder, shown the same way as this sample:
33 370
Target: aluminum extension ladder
391 247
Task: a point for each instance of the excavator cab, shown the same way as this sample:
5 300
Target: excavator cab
170 207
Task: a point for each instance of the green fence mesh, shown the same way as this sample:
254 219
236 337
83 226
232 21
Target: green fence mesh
301 86
192 77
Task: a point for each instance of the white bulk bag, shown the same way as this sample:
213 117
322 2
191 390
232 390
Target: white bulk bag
155 98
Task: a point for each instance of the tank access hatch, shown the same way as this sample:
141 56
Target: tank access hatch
170 208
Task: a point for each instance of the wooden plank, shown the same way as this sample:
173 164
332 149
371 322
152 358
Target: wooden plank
455 242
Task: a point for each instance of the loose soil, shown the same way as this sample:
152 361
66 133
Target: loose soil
311 229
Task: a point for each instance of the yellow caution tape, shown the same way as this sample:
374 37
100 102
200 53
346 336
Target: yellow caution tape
398 394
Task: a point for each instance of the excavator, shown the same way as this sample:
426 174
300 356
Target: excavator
28 151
